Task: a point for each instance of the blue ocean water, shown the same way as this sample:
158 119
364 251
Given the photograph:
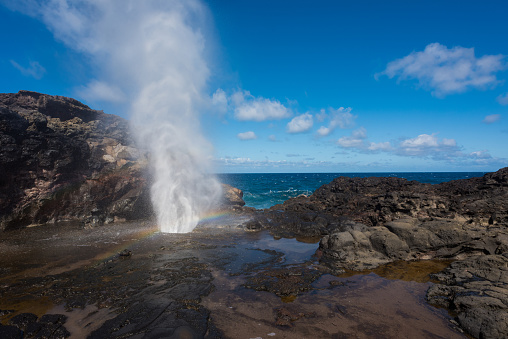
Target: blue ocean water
263 190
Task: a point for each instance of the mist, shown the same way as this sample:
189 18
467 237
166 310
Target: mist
150 56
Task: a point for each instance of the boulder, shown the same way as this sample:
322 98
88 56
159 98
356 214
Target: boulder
232 196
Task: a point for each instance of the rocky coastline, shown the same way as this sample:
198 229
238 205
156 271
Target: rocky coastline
62 161
365 223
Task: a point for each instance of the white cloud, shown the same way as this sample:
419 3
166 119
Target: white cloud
503 99
355 140
323 131
449 142
301 123
247 135
238 97
358 140
423 140
446 71
35 70
220 101
100 91
489 119
380 146
250 108
428 145
235 160
340 117
272 138
321 116
425 146
248 165
484 154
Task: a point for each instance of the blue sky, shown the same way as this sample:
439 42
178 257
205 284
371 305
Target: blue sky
311 86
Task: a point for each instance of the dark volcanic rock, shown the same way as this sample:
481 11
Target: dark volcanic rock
376 200
48 326
360 247
61 160
440 220
233 195
10 332
367 222
285 281
476 289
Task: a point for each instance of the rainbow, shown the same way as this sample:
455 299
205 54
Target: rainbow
117 248
210 217
214 216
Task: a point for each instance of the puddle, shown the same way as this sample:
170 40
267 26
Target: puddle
246 252
356 306
417 271
293 250
25 304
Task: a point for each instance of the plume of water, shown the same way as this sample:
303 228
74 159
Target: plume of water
149 54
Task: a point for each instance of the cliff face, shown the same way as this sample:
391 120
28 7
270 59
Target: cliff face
61 160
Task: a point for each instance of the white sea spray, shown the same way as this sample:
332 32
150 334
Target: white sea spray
150 56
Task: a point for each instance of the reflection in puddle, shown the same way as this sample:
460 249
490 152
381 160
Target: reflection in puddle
387 302
417 271
294 250
357 306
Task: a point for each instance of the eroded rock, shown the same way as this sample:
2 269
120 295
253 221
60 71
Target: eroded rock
476 289
61 160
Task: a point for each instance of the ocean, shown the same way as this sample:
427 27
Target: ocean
263 190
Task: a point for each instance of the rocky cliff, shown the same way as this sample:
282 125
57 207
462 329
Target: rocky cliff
60 160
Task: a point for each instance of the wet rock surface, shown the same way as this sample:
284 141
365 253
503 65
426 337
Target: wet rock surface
129 281
134 291
28 325
286 282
